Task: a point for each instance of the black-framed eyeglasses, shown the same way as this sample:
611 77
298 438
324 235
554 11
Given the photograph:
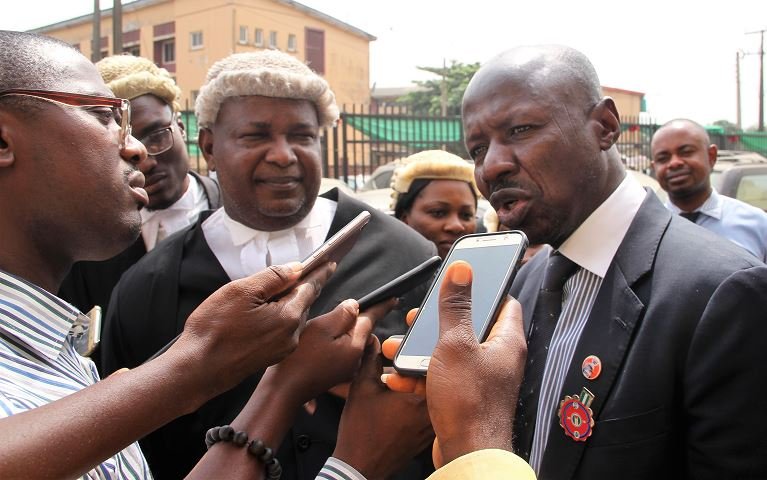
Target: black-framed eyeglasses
159 141
120 107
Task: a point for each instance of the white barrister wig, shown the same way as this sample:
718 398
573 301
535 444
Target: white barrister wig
268 73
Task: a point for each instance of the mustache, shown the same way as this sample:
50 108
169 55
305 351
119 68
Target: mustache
504 184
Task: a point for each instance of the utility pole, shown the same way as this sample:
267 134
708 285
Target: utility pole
96 41
443 88
761 77
738 55
117 27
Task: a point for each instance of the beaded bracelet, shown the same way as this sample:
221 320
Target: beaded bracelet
256 447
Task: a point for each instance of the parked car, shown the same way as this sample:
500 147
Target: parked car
329 183
741 175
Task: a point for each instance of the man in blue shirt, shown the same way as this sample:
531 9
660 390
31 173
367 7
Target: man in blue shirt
683 156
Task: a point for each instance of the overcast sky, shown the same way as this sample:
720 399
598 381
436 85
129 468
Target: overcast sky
680 53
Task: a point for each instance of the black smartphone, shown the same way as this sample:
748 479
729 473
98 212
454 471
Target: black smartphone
494 259
334 248
402 284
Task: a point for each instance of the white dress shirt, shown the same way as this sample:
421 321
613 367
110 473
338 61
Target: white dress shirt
243 251
592 246
159 224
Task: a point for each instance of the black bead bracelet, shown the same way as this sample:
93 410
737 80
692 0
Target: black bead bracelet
265 455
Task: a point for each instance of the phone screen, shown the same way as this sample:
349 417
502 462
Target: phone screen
493 259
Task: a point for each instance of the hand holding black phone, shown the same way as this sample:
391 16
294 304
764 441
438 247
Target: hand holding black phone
402 284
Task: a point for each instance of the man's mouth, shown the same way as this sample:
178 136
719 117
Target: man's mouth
511 205
280 183
136 184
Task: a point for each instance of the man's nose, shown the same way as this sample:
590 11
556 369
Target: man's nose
134 152
499 162
281 152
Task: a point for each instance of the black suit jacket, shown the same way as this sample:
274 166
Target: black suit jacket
154 298
680 325
91 283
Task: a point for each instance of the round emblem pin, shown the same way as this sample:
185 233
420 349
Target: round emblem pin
576 417
591 367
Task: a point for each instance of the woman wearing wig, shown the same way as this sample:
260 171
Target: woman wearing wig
435 194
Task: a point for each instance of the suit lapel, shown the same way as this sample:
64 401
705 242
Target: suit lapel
617 311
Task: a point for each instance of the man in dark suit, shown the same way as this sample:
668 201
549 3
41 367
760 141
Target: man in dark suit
645 349
177 195
260 115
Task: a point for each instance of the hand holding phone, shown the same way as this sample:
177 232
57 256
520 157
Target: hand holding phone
334 248
494 259
402 284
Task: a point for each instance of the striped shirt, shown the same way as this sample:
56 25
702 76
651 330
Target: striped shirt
609 224
335 469
38 363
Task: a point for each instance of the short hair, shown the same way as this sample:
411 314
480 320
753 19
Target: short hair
419 169
29 60
563 69
269 73
694 124
130 77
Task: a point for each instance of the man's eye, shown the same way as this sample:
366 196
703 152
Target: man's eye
477 152
519 129
105 114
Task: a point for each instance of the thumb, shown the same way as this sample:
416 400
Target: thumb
372 366
455 299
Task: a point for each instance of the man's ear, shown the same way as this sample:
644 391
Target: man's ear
181 126
712 151
608 119
205 142
7 155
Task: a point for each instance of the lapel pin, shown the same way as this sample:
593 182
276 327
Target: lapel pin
575 415
591 367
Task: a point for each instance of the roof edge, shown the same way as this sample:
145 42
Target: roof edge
329 19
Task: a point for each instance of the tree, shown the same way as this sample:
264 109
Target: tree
729 127
455 77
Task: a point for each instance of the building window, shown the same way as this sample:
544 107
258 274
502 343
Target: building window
244 34
134 50
196 39
292 43
259 40
169 52
272 39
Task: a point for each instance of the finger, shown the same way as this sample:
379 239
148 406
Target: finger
268 283
509 325
403 384
411 316
455 299
371 367
390 346
310 287
341 320
379 310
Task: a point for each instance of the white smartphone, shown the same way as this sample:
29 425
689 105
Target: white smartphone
494 259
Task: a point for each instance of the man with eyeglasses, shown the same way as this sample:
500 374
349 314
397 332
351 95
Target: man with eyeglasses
176 194
71 190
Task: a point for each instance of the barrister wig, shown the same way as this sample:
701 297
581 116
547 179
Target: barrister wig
130 77
269 73
419 169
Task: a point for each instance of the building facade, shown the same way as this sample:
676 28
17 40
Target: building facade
187 36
